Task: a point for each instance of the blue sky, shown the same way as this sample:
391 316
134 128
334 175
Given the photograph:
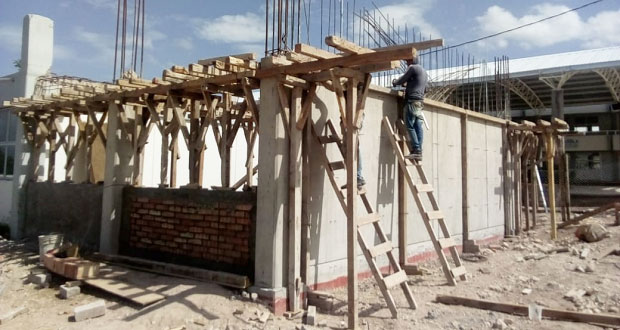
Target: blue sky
181 32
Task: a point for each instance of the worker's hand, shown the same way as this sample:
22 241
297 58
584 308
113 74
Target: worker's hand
394 82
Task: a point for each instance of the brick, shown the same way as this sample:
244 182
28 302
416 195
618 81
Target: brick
85 312
149 206
168 202
244 207
186 235
180 240
194 241
143 211
82 269
67 292
155 212
243 221
195 229
167 214
42 279
143 199
190 210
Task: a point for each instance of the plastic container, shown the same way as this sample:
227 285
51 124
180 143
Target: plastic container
49 242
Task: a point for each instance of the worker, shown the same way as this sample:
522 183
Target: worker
415 79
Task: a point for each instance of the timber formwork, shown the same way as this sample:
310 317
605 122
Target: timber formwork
217 94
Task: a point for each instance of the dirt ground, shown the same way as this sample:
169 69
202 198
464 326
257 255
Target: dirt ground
521 270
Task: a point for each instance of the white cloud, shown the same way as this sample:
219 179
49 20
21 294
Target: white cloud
185 43
411 13
598 31
107 4
62 52
246 28
11 38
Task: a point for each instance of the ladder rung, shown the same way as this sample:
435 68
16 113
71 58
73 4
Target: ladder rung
380 249
458 271
336 165
422 188
434 215
395 279
397 138
328 139
368 219
446 242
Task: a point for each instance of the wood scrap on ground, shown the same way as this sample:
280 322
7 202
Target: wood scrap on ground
522 310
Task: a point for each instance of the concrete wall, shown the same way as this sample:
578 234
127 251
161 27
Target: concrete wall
47 211
442 163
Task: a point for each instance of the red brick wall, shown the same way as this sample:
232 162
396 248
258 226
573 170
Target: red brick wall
215 233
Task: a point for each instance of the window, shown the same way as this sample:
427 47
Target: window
8 128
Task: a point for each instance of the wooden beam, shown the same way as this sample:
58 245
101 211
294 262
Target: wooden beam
555 314
361 102
306 109
587 215
344 61
251 102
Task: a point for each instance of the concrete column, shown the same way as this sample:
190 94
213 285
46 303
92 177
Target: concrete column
118 173
272 197
557 103
36 60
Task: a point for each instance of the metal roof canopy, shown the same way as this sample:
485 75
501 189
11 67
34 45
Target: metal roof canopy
585 83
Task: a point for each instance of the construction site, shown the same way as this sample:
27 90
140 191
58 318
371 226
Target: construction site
286 190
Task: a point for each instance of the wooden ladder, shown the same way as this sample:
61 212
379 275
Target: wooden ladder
418 189
385 281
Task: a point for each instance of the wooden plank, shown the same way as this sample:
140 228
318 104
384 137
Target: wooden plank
587 215
446 242
458 271
313 52
346 46
434 215
395 279
157 267
367 219
422 45
345 61
125 290
424 188
514 309
380 249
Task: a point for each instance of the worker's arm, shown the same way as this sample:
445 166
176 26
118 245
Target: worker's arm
403 79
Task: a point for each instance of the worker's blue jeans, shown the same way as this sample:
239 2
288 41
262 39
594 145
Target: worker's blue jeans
413 123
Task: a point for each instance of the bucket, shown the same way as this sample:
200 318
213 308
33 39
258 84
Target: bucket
49 242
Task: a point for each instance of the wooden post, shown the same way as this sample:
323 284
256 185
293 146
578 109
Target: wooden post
534 193
566 183
51 168
137 150
351 166
165 144
71 143
305 192
517 181
526 192
195 158
464 178
294 202
508 224
402 208
551 182
174 157
224 149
